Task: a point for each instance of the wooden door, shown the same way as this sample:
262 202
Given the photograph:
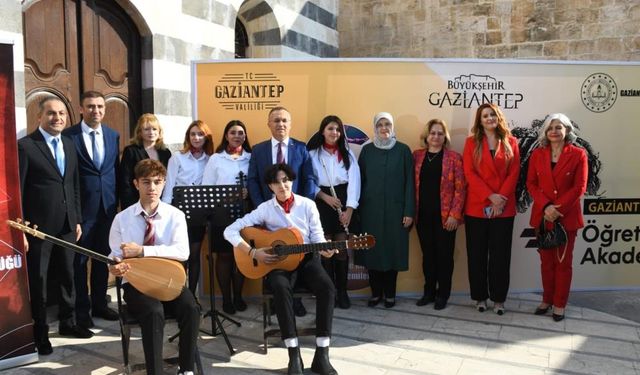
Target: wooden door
72 46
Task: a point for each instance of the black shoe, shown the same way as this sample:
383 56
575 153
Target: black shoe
425 300
44 347
228 307
389 302
239 304
541 311
342 300
298 307
439 304
85 322
321 364
75 331
373 301
296 367
557 317
106 313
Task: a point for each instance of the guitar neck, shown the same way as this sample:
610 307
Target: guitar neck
79 249
309 248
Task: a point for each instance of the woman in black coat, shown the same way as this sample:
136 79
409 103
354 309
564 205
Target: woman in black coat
146 144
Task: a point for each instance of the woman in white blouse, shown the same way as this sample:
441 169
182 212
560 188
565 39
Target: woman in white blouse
335 166
227 167
185 169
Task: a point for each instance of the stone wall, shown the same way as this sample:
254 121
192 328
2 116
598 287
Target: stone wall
493 29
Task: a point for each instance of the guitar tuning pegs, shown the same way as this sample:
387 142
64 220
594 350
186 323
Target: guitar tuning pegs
18 220
35 226
27 223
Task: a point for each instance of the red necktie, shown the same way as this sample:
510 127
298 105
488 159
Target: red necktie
150 230
279 155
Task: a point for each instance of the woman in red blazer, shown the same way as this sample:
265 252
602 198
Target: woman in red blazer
491 166
556 180
440 192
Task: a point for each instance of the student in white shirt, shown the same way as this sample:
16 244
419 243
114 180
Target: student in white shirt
287 210
335 166
224 168
186 168
170 240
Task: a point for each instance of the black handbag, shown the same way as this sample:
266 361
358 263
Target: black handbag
549 239
552 239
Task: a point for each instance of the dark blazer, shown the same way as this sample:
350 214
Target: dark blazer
98 188
131 155
48 198
297 158
563 185
493 175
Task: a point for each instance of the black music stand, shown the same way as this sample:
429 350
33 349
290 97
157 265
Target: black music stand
208 204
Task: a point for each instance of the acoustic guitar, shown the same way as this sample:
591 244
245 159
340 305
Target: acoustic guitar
287 243
160 278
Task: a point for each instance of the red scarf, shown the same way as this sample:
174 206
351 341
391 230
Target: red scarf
333 149
196 151
286 205
234 150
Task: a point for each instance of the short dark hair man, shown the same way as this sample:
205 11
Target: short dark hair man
50 190
286 210
154 228
97 147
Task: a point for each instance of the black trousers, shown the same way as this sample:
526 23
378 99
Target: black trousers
42 257
437 246
310 274
151 314
95 236
489 257
383 283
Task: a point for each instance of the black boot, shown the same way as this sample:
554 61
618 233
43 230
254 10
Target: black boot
296 366
321 364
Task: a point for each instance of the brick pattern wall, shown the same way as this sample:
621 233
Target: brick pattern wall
493 29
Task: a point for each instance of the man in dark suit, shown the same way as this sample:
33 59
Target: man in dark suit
50 188
96 146
281 149
291 151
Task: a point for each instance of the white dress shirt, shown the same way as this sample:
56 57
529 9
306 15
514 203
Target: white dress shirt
183 170
274 150
86 137
336 174
303 216
171 238
223 169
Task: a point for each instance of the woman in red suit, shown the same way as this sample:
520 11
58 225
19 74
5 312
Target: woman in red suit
440 192
556 180
491 166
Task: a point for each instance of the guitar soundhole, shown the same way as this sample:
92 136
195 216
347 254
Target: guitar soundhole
274 249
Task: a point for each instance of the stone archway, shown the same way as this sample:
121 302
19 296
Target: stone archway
263 32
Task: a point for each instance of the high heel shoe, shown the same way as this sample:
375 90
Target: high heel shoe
557 317
373 301
542 310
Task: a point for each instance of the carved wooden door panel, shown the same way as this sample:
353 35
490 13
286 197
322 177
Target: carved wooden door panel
66 55
51 56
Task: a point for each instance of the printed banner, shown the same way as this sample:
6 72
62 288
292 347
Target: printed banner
16 328
602 100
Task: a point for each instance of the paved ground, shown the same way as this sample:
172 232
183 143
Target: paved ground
601 335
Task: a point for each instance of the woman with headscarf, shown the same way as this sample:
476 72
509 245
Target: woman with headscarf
387 208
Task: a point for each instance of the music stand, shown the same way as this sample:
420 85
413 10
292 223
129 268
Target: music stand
208 204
